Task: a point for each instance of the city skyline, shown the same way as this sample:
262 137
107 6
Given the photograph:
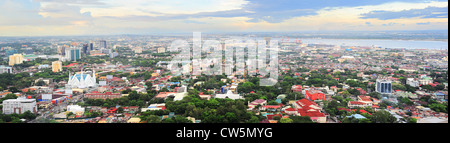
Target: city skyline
109 17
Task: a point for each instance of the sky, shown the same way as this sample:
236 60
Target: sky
110 17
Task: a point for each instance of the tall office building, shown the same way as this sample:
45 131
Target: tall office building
85 48
102 44
267 39
62 50
91 46
56 66
383 86
15 59
73 54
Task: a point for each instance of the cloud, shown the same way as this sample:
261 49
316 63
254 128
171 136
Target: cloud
77 2
194 22
426 23
281 10
68 17
429 12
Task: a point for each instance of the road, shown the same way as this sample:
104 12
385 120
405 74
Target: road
55 109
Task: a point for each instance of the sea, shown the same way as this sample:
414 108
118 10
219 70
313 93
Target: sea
392 44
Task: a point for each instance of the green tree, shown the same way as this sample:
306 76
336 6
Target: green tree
152 119
383 116
412 120
301 119
286 120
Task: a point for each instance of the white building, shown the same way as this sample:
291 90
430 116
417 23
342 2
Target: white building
229 95
412 82
19 106
426 80
383 86
76 109
5 69
82 80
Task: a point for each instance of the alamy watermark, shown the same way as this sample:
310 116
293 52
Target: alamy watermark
229 57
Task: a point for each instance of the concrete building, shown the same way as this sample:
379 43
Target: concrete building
75 109
161 50
137 50
229 95
383 86
358 104
102 44
73 54
5 69
98 95
412 82
56 66
426 80
19 106
15 59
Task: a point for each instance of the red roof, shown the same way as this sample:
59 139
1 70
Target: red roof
305 103
270 117
357 103
310 113
272 106
70 65
289 109
348 110
315 96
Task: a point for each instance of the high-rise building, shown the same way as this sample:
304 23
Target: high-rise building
56 66
383 86
62 50
106 51
73 54
85 48
113 55
161 50
91 46
267 39
15 59
5 69
102 44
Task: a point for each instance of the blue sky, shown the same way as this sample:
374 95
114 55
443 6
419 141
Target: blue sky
98 17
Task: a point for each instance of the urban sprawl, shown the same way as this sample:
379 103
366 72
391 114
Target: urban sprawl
127 79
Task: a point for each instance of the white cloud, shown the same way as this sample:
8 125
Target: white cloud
161 7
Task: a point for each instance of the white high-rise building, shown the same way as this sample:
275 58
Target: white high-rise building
19 106
5 69
383 86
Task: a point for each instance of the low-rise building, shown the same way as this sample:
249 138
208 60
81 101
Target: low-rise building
19 105
75 109
98 95
229 95
356 104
